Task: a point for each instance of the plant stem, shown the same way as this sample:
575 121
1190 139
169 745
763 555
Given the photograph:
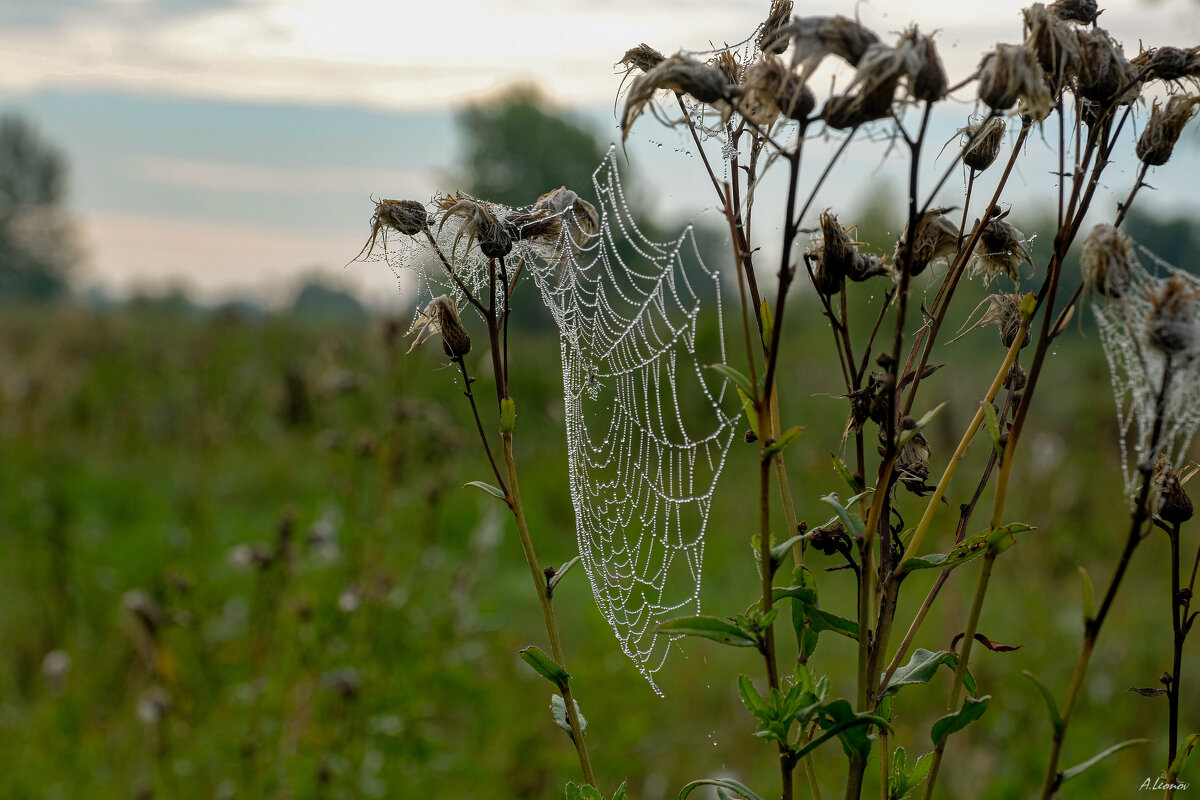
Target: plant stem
1177 651
539 582
467 381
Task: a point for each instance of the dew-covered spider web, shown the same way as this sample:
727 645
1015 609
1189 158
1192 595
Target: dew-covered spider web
648 426
1136 370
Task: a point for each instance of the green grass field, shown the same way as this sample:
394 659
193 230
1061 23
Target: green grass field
252 540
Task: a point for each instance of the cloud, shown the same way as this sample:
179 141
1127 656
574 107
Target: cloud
260 179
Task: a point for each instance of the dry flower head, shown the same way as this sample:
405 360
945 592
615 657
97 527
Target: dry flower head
769 40
406 216
1000 250
1002 310
482 222
1169 63
1173 325
682 75
1083 11
1157 141
936 237
441 316
1010 73
1105 261
771 89
983 142
814 38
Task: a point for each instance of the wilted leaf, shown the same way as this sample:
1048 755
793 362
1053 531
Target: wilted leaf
995 647
1147 692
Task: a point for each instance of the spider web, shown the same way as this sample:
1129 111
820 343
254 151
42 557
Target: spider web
647 426
1136 371
647 434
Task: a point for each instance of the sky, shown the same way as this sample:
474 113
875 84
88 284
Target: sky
233 146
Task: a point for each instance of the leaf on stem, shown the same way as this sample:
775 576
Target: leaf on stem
909 433
1147 692
995 647
972 710
714 628
730 374
748 407
838 718
843 471
1076 770
487 487
960 554
921 668
1051 705
721 783
560 572
1004 537
901 779
851 521
1181 758
780 444
993 426
768 323
545 666
1089 597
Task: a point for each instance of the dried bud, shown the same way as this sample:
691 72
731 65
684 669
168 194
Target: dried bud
1169 63
1175 506
769 39
936 237
848 111
1016 379
1103 74
1105 261
817 37
1001 249
406 216
480 223
441 316
1010 73
496 241
1084 11
833 257
1173 325
926 74
728 64
912 462
1053 40
983 142
1162 131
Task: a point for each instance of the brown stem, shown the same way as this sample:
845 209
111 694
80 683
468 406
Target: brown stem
467 381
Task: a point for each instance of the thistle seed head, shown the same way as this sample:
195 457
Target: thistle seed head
441 316
727 63
983 142
771 89
406 216
769 40
848 111
936 237
866 265
1083 11
1052 38
1175 507
1002 310
817 37
1001 249
481 222
1010 73
682 75
1158 140
1103 74
927 80
1105 262
1173 324
1169 63
643 58
833 257
581 217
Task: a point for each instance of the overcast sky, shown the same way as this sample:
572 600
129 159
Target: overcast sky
235 143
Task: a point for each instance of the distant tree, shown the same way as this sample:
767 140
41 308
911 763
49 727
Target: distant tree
517 149
38 245
318 299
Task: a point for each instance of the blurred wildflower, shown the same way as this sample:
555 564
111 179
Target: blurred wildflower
1084 11
1052 38
1173 325
1104 75
936 237
1169 63
769 40
1105 261
1004 311
817 37
771 89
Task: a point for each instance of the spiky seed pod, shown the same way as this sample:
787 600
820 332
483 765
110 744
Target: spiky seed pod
817 37
1173 324
441 316
936 237
927 80
1001 249
1158 140
480 223
1168 63
1053 40
983 142
834 257
771 89
1103 74
1083 11
1004 311
866 265
1010 73
682 75
406 216
1105 262
769 40
643 57
728 64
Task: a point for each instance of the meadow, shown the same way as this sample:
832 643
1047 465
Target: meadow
239 560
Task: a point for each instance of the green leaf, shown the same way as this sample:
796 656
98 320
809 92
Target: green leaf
545 666
972 710
508 415
851 521
723 783
843 471
752 699
960 554
487 487
572 792
714 628
838 718
927 418
780 444
993 426
1003 538
730 374
768 323
587 792
1089 597
901 779
779 552
560 572
821 620
620 793
1051 704
1074 771
1181 758
748 407
921 668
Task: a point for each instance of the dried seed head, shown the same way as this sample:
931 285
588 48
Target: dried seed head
728 64
682 75
1001 249
936 237
579 215
912 462
1053 40
1016 379
926 75
848 111
1158 140
1084 11
406 216
1010 73
833 257
1105 261
441 316
817 37
1102 73
481 222
1004 311
983 142
866 265
643 57
1175 507
771 89
769 39
1173 324
1169 63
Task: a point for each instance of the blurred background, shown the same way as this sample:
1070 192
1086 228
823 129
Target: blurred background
237 557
